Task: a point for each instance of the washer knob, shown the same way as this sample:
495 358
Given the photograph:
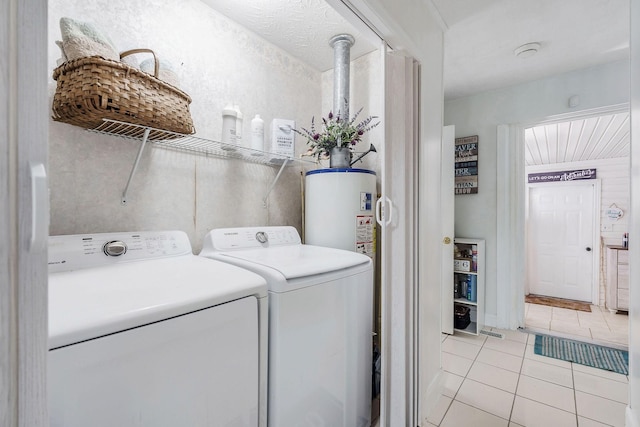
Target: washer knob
114 248
262 237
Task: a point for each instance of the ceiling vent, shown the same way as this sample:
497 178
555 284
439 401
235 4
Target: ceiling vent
527 50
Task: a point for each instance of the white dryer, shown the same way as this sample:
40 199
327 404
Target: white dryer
320 324
142 332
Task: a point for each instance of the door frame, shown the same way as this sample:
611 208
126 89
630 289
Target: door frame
595 207
447 203
511 211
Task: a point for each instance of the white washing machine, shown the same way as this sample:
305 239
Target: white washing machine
320 324
144 333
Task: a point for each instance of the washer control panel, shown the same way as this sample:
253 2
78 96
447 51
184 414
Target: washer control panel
262 237
226 239
75 252
115 248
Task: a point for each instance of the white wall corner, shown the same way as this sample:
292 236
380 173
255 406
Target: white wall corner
491 320
432 396
437 16
631 418
510 227
504 256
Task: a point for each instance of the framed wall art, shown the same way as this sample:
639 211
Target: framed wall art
466 166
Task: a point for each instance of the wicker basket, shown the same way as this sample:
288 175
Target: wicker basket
91 89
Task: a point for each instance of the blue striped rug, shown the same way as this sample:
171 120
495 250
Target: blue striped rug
606 358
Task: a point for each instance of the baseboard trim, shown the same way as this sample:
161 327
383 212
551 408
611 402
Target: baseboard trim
432 396
631 418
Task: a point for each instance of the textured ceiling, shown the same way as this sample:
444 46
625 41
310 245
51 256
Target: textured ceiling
300 27
480 38
602 137
482 35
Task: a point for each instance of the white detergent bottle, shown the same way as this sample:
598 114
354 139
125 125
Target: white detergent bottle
238 125
229 125
257 134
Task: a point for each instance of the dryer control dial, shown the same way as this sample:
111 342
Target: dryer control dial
262 237
114 248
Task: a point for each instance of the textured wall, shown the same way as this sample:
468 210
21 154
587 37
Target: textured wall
218 62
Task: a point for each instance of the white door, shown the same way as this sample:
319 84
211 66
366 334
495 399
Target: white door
447 202
398 268
24 212
560 232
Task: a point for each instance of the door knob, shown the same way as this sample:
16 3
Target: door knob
446 240
588 249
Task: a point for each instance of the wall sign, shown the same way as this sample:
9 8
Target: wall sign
613 213
466 167
573 175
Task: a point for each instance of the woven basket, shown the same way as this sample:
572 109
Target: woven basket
91 89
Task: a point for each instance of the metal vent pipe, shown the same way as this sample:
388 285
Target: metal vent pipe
341 45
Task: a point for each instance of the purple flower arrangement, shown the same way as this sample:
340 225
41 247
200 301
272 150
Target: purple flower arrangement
335 132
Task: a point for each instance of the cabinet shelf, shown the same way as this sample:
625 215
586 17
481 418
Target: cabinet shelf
192 144
464 301
462 279
471 329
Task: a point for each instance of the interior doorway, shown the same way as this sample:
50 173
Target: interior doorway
557 258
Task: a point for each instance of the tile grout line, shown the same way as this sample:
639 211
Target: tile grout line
601 397
465 377
453 399
515 393
446 412
575 397
606 320
520 373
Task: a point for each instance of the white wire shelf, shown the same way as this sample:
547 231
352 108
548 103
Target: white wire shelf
192 144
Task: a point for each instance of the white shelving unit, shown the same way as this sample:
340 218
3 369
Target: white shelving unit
617 284
469 252
193 144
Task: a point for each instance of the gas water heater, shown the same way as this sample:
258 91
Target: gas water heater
339 209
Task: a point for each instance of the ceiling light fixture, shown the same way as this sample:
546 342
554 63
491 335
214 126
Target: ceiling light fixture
527 50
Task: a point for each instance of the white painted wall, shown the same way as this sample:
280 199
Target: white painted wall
222 63
633 409
524 104
614 180
219 62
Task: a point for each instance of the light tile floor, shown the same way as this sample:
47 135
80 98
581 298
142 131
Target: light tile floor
493 382
600 326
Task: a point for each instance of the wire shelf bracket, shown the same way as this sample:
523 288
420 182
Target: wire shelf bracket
193 144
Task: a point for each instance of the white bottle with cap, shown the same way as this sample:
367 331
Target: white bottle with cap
238 125
229 116
257 133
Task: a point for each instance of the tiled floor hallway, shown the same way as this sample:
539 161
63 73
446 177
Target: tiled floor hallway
600 325
493 382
